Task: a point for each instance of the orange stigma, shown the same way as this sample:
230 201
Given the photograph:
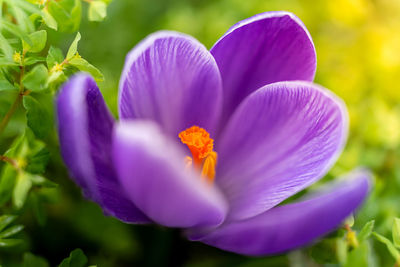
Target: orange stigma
201 146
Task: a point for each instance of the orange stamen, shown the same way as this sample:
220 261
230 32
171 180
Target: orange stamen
209 165
201 146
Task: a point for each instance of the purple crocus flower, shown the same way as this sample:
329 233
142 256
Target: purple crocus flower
213 141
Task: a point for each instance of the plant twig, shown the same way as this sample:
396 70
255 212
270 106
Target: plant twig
22 92
11 161
4 122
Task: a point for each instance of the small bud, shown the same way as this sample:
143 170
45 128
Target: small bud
17 57
58 67
21 163
351 237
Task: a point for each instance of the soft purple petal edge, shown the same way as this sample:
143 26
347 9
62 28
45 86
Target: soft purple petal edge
271 14
293 225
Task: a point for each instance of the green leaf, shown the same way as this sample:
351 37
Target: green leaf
54 77
22 18
49 20
38 208
358 256
14 29
11 231
321 252
18 151
31 260
38 119
7 182
76 259
83 65
38 39
73 49
6 85
5 220
392 249
5 47
30 60
396 232
97 11
341 250
41 181
9 242
54 56
21 189
5 62
67 13
26 6
19 148
366 231
37 162
36 79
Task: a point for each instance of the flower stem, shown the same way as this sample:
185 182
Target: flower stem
22 92
13 108
10 161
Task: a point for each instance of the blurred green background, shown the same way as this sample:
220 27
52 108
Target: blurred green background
358 51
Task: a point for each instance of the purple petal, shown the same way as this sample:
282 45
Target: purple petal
152 171
292 225
172 79
85 129
282 138
267 48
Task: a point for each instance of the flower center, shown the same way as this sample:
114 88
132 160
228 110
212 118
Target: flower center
201 146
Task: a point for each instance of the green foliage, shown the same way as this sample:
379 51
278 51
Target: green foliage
73 49
38 40
31 260
25 154
85 66
14 29
358 256
66 13
54 56
5 220
366 231
35 79
49 20
391 248
32 68
75 60
396 232
37 117
5 231
38 159
76 259
97 10
21 189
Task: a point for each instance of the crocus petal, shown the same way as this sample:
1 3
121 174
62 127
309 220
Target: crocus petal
172 79
85 129
292 225
269 47
281 139
152 170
